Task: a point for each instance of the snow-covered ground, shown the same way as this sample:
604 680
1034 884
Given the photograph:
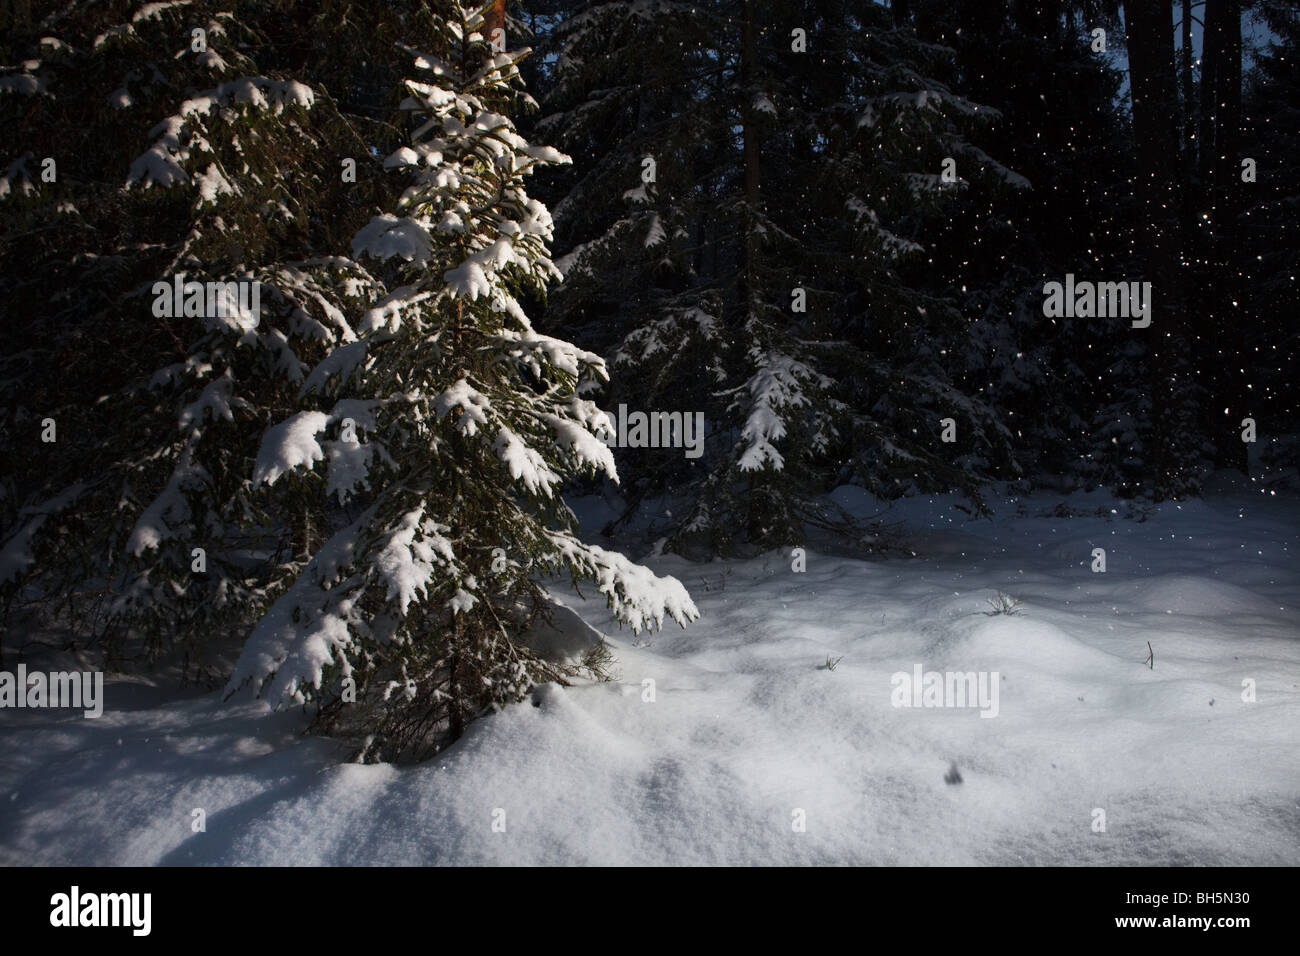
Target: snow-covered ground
748 724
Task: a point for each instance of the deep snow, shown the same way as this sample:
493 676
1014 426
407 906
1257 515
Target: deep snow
748 723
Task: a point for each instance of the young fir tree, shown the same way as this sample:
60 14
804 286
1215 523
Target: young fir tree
634 94
796 149
448 425
875 158
152 144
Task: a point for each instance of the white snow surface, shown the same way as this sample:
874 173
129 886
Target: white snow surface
748 724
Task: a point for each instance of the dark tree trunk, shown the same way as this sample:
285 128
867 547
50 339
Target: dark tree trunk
1221 204
1211 62
494 19
1155 134
749 160
1189 92
748 67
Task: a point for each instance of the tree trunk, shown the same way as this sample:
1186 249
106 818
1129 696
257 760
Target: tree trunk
494 19
1211 58
456 708
1155 135
748 68
1221 204
1189 93
900 11
750 159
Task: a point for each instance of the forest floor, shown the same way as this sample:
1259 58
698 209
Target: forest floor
754 749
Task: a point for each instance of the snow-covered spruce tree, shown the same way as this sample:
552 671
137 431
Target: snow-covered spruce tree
674 269
797 151
184 149
635 95
168 152
448 427
852 160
